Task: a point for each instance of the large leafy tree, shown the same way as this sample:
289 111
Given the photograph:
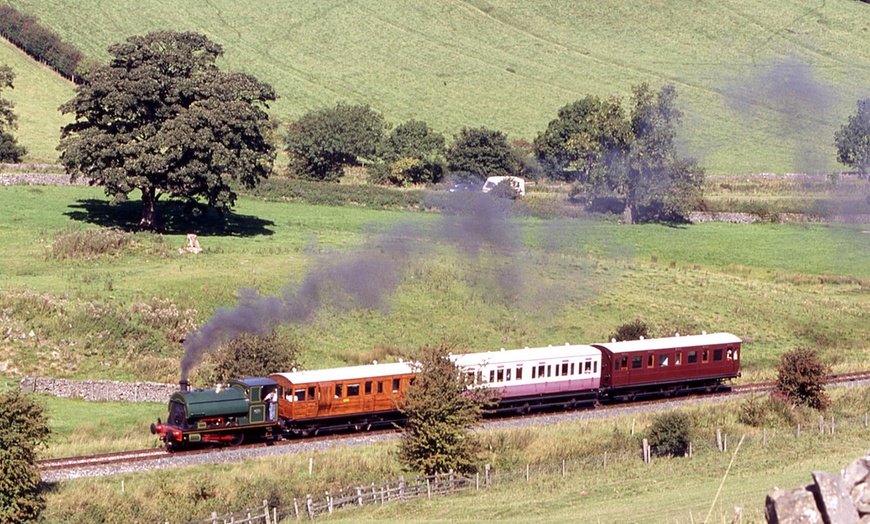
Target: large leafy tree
584 134
322 143
650 175
23 429
10 151
483 152
163 119
441 411
412 153
853 139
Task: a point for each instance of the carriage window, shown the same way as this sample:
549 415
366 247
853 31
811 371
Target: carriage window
299 395
717 354
500 376
678 359
549 371
564 369
572 368
650 362
705 355
663 360
636 362
520 373
380 387
469 376
492 375
311 391
507 374
595 367
368 388
587 367
693 357
541 371
534 372
478 377
395 385
624 362
338 391
353 390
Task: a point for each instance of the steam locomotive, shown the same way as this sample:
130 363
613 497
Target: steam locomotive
302 403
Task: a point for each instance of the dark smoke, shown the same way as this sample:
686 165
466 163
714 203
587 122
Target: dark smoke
786 95
364 278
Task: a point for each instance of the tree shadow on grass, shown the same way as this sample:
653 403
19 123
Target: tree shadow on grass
177 218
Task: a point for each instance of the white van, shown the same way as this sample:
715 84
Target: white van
516 181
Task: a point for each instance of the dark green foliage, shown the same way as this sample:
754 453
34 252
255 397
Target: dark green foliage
412 154
581 138
770 411
163 119
853 139
322 142
10 151
633 157
39 42
483 152
253 356
23 429
801 378
670 434
441 411
633 330
507 188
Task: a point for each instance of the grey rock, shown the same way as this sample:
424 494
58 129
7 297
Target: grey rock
796 506
834 500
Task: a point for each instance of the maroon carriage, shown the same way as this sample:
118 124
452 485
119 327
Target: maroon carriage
669 365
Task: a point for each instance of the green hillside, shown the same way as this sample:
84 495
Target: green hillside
37 93
764 84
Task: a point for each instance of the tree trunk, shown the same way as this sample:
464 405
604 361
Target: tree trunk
148 221
628 212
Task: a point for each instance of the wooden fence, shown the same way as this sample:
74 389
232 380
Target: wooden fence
260 514
397 490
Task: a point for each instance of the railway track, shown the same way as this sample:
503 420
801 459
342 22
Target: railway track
140 458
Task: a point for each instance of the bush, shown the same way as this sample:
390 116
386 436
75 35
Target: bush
766 411
670 434
88 243
801 379
633 330
23 428
251 356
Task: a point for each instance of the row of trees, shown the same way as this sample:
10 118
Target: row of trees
162 118
39 42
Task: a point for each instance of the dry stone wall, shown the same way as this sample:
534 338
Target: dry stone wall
830 499
100 390
38 179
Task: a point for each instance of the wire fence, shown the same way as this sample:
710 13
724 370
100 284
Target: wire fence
402 489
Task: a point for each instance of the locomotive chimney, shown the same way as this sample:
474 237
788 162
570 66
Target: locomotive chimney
183 386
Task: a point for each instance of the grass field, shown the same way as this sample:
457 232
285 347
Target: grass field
764 85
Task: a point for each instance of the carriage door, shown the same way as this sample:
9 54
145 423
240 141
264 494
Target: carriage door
368 395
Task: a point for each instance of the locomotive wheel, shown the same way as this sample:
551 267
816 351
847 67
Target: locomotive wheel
237 440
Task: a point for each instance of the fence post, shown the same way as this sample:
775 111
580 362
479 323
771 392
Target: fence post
865 420
401 487
764 437
799 430
310 465
428 488
645 451
296 507
359 496
329 502
487 476
477 481
214 517
527 472
719 439
266 509
821 425
605 461
832 424
724 443
310 507
632 426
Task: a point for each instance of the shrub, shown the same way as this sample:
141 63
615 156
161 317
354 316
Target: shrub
252 356
670 434
766 411
88 243
23 428
801 378
633 330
